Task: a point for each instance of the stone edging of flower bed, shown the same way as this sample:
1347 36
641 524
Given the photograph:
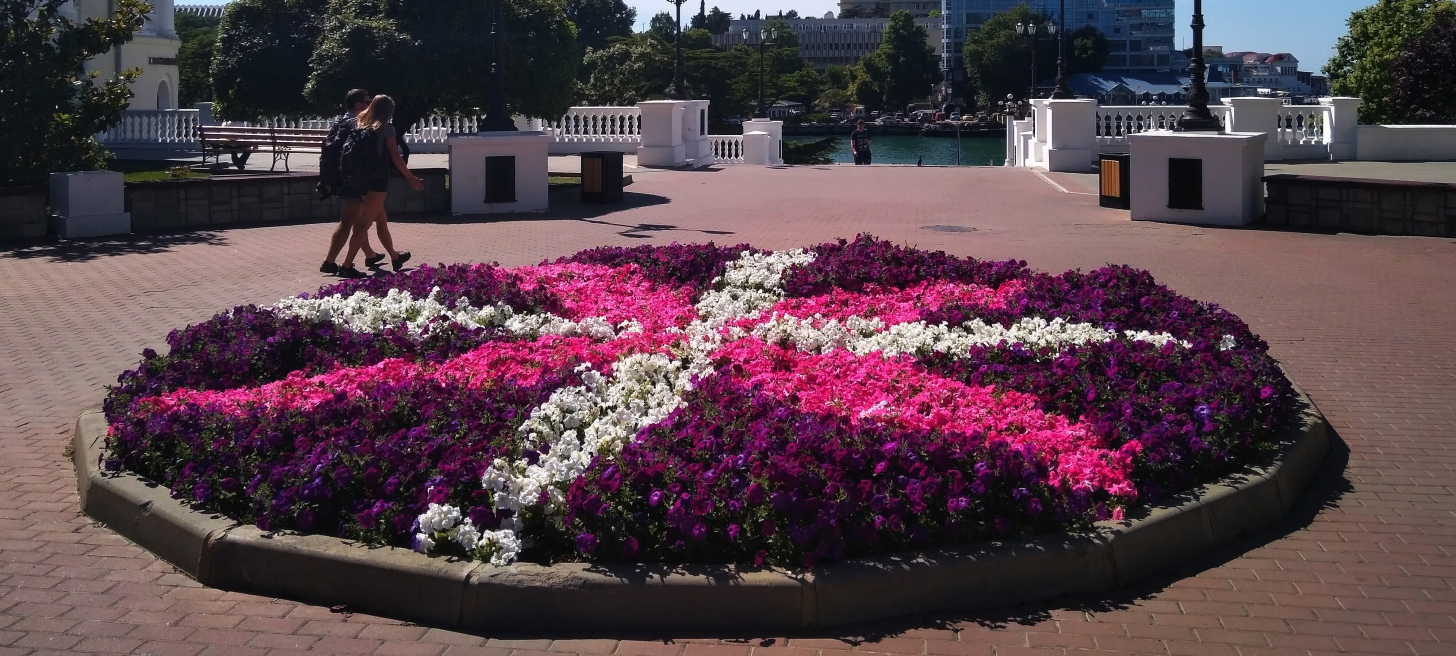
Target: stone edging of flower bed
587 598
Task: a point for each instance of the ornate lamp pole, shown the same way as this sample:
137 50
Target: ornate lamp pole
1062 92
1032 32
1198 118
678 92
765 38
497 117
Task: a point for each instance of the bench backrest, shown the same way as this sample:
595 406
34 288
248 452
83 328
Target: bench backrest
291 137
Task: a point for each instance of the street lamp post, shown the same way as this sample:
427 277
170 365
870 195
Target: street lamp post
1033 32
1062 92
765 38
1198 118
678 92
497 117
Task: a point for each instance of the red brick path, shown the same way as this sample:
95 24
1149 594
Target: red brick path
1365 324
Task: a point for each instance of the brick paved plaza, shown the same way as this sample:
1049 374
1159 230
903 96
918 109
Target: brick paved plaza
1367 325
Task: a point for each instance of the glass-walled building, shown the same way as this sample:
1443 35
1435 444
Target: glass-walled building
1140 31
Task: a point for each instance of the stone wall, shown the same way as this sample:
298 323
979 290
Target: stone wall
22 213
1384 207
234 200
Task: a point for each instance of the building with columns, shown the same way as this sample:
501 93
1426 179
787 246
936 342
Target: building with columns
153 51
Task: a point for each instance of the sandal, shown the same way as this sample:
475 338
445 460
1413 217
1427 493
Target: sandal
350 272
398 262
374 260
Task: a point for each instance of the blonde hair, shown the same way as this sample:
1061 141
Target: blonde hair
379 112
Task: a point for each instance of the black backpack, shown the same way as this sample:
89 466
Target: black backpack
361 159
329 178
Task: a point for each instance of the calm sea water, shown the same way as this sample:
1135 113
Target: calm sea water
904 149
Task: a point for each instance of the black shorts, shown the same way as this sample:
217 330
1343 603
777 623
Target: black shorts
347 192
862 157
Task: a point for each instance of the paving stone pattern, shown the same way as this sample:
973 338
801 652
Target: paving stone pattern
1365 324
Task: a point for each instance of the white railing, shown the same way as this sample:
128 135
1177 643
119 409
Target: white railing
1115 123
726 149
1301 125
159 127
598 125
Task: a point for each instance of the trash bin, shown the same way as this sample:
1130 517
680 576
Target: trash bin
1115 176
601 177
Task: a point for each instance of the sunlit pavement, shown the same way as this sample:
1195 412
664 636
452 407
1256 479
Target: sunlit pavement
1364 324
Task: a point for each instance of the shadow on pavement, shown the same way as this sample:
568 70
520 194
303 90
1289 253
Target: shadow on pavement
85 250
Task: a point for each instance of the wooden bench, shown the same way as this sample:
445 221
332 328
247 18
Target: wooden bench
241 142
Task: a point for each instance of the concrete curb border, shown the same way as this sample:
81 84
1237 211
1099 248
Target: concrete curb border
585 598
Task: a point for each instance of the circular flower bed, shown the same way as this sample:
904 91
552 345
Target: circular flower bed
695 403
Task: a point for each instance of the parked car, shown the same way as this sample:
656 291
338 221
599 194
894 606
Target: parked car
955 116
887 120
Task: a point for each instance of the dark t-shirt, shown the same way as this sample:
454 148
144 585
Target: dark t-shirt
860 140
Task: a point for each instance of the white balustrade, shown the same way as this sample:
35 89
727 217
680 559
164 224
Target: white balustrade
1115 123
727 149
1301 125
599 125
161 127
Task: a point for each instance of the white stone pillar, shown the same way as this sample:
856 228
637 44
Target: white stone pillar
1071 135
529 163
662 134
697 149
204 114
775 130
756 148
1041 122
1231 177
1343 130
1258 115
89 204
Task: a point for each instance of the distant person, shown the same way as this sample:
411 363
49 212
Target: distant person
859 143
331 184
375 140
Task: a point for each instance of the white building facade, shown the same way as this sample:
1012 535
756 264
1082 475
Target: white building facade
153 51
825 41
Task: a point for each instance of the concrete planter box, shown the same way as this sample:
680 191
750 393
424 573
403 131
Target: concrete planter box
240 200
22 213
613 599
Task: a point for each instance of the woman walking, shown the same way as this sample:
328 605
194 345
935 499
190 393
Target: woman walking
379 117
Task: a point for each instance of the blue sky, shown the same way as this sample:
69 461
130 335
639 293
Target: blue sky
1306 28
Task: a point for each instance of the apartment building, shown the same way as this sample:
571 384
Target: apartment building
825 41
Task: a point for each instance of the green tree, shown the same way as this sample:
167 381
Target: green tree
717 21
628 71
194 58
50 108
1425 77
599 20
1089 50
429 55
1365 57
854 11
261 61
998 60
663 26
904 66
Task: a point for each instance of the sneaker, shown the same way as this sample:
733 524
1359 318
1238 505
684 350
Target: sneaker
374 260
398 262
329 268
350 272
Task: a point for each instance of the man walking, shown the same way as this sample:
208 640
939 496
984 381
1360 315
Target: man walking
859 144
331 184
